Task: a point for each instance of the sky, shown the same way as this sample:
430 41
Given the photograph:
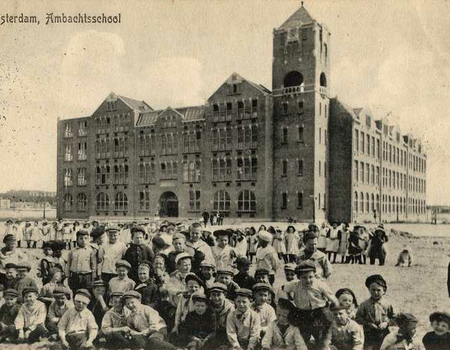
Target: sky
392 56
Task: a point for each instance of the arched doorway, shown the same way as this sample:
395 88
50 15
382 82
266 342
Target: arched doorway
168 204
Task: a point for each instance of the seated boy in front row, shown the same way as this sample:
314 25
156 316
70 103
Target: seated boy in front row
8 314
405 338
281 334
346 334
243 324
311 295
439 338
114 323
30 321
57 309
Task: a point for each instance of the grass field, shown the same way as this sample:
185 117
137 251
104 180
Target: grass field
420 289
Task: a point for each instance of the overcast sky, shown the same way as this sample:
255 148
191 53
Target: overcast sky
392 56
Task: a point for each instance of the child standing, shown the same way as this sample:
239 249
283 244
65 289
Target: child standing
122 283
323 265
311 296
375 313
8 314
266 256
243 324
346 333
137 252
30 321
281 334
292 241
279 244
252 243
439 338
347 299
405 338
224 255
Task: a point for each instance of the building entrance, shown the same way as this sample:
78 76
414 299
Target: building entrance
168 204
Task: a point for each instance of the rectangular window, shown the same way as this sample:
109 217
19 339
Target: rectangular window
82 128
361 172
356 173
320 168
284 137
301 108
368 144
68 157
81 177
194 200
284 200
367 173
362 148
68 130
300 130
284 165
356 140
320 136
82 150
300 167
299 200
373 146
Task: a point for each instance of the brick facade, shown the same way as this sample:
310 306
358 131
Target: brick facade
248 152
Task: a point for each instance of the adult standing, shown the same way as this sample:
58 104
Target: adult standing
344 242
114 250
377 250
323 265
205 216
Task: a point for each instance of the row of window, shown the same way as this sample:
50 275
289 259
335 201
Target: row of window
417 164
319 201
81 177
372 174
115 123
366 144
370 203
81 152
240 110
82 129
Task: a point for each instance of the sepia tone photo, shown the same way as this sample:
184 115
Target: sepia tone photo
193 174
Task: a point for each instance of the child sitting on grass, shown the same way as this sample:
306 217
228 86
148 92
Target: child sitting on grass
114 323
46 295
57 309
346 334
11 276
376 313
405 338
8 314
281 334
30 321
439 338
261 292
23 280
289 273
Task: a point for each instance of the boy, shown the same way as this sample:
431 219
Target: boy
30 321
147 288
114 323
199 323
243 324
176 281
223 254
47 291
11 276
207 273
405 338
375 313
281 334
225 276
262 276
221 308
57 309
99 304
8 314
185 303
77 327
98 238
243 278
289 273
346 334
323 265
81 263
439 338
266 256
179 246
147 328
137 252
121 283
261 292
114 250
23 280
312 295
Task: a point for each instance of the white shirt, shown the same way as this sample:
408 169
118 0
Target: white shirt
113 253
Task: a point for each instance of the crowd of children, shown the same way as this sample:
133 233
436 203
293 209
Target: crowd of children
169 286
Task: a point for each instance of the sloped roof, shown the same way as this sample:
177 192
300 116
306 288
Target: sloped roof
147 118
135 104
192 113
301 15
357 111
187 114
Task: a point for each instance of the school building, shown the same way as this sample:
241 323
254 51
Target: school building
249 152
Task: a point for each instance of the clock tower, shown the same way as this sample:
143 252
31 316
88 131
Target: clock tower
300 84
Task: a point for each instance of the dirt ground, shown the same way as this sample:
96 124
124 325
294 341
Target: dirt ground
419 289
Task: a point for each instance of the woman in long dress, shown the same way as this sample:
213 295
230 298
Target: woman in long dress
333 242
343 242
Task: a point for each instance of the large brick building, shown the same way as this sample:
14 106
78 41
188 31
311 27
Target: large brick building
248 152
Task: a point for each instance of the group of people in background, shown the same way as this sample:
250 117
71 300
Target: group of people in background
165 285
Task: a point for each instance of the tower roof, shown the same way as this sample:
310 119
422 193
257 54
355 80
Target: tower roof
300 16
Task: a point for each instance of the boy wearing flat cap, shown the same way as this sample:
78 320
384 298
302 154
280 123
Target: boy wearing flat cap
323 265
312 296
346 333
289 273
57 309
147 328
225 276
10 254
137 252
375 314
30 321
99 304
122 283
10 279
81 265
261 293
266 256
224 255
243 278
23 280
114 323
243 324
206 273
147 287
439 338
8 314
281 334
405 338
77 327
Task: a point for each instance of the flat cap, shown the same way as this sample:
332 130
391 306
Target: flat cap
265 236
97 232
10 266
83 233
132 294
206 263
193 277
182 256
261 272
61 290
378 279
11 292
30 290
405 319
336 307
225 271
178 236
289 267
112 228
218 233
83 295
117 294
135 229
53 271
23 265
123 263
305 266
9 237
262 286
244 292
309 235
99 283
199 296
160 242
218 287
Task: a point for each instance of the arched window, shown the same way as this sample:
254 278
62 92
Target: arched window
68 201
221 201
246 201
293 78
367 203
389 204
121 201
323 80
378 203
102 201
372 203
81 202
355 209
361 201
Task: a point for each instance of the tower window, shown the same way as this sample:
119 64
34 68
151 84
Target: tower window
235 88
285 135
284 168
301 107
285 107
300 134
323 80
293 78
284 200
